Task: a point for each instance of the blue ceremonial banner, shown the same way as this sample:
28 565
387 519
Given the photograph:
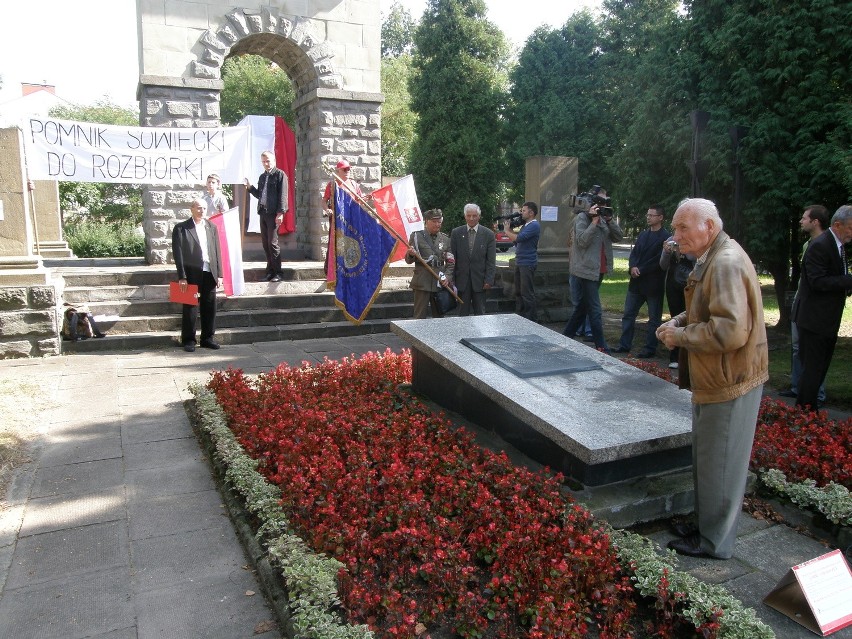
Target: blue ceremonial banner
362 248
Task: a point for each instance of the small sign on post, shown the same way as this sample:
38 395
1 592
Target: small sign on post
817 594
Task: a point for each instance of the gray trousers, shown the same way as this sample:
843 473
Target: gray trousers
722 436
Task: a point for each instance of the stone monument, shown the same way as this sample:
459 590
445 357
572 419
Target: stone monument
330 49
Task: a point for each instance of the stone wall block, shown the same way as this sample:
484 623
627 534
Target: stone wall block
49 346
226 34
330 81
331 131
374 147
213 58
213 110
210 39
153 107
180 197
12 298
285 27
321 51
187 109
351 119
238 18
254 23
370 134
42 297
15 349
374 120
153 198
204 71
159 256
270 20
352 147
28 323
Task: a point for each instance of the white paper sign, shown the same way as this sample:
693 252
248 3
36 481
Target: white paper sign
827 584
549 213
84 152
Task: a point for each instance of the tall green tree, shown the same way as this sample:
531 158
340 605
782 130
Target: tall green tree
458 93
397 32
255 86
98 201
648 91
398 120
557 104
781 69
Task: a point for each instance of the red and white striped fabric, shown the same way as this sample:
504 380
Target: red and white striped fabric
231 248
397 205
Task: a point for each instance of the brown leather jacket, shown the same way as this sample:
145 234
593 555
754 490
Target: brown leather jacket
723 328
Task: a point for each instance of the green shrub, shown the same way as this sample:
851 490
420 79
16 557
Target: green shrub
100 239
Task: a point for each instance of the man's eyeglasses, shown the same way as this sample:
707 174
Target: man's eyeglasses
347 170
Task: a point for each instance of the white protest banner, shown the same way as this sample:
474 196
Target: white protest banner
85 152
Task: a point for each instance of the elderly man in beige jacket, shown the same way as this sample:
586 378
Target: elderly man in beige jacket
726 365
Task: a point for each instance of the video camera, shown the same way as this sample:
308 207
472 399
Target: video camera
584 201
514 219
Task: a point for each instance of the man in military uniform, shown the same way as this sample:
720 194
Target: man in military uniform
434 248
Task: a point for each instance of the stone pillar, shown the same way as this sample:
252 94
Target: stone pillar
172 102
18 263
344 125
51 242
28 313
550 181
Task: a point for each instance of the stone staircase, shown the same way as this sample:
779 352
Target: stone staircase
134 296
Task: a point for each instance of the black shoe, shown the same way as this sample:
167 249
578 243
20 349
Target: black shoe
189 348
683 528
646 354
689 546
788 392
619 349
209 343
275 278
267 278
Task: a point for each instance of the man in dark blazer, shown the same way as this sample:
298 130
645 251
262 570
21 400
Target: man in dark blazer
195 246
475 250
271 192
823 288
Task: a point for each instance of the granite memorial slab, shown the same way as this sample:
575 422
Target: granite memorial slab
529 355
605 423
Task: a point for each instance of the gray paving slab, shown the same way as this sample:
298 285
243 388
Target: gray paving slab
773 551
79 478
186 476
72 608
220 609
62 511
173 514
73 449
135 430
69 552
170 560
162 453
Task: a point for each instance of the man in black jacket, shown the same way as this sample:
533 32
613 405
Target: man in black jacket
271 193
195 246
823 288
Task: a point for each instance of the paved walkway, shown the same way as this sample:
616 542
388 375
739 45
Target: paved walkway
116 528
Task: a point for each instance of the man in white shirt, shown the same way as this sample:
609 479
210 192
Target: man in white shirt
195 246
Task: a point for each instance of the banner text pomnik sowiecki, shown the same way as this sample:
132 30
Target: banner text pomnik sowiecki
84 152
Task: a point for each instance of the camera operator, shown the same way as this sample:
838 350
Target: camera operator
526 259
591 258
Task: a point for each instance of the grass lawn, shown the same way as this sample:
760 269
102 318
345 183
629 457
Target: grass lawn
839 379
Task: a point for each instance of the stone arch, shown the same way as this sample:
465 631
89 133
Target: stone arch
334 66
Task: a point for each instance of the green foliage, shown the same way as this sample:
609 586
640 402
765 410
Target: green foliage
398 120
100 201
458 92
92 238
255 86
398 32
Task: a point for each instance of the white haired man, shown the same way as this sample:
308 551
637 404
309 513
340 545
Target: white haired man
475 250
723 333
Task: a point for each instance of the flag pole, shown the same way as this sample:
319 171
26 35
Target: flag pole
377 218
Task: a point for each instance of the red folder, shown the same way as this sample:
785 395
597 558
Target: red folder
190 297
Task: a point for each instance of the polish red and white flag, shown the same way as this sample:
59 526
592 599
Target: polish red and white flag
397 205
231 249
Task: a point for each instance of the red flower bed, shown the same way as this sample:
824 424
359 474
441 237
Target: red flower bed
435 533
801 444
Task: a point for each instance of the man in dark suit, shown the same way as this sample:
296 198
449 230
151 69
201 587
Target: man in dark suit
823 288
271 193
475 250
195 246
